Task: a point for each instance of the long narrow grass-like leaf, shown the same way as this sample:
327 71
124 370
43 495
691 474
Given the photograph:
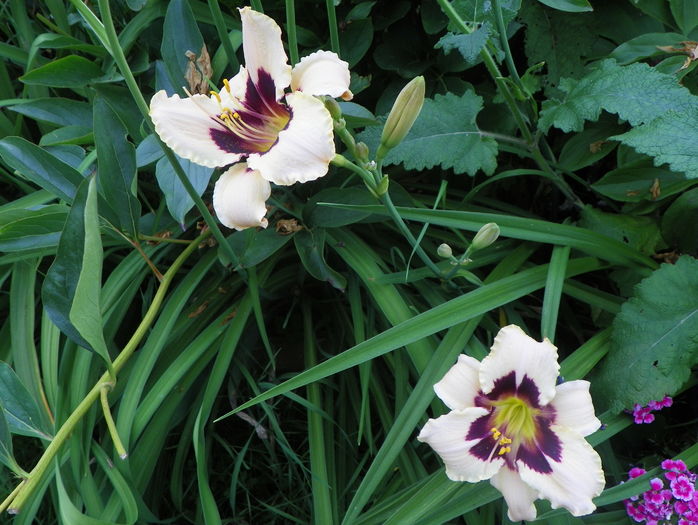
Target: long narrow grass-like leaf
453 312
553 291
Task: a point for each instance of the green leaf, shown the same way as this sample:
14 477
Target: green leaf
640 233
324 217
116 161
669 138
40 167
31 229
571 6
178 200
590 145
641 182
355 39
179 35
644 46
6 454
70 72
468 45
445 129
68 135
21 411
680 222
654 338
636 93
56 110
148 151
61 282
685 13
310 246
85 310
479 12
562 40
357 115
254 246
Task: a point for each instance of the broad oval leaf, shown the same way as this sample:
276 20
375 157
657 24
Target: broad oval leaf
70 72
654 338
21 410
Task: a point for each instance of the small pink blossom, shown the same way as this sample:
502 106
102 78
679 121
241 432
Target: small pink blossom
682 488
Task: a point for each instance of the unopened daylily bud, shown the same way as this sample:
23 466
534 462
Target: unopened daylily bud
333 107
444 251
403 114
486 236
362 151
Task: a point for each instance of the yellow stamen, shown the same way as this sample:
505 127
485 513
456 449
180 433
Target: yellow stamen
216 96
495 433
226 84
503 451
504 441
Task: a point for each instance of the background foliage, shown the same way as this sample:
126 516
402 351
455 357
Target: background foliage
571 124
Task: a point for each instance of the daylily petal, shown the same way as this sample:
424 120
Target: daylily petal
186 126
574 408
446 435
518 495
574 481
513 350
239 198
322 73
263 49
304 149
461 384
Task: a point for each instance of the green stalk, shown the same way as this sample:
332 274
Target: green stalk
504 41
40 469
117 54
217 15
104 399
291 31
332 22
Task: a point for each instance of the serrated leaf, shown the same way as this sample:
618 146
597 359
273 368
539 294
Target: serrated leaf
31 229
178 200
562 40
445 134
479 12
468 45
636 93
21 411
655 338
116 161
669 138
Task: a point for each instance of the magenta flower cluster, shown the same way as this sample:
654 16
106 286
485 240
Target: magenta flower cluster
671 500
643 414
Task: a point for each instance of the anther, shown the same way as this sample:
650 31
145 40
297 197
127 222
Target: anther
216 96
226 84
503 451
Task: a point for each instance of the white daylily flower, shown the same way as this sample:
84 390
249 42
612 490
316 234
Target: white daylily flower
283 137
511 424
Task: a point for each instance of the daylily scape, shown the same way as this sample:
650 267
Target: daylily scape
266 133
512 424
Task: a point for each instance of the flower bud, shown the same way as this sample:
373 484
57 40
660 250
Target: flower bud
486 236
382 187
362 151
444 251
333 107
403 114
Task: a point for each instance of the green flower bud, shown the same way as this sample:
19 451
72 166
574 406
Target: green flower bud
362 151
333 107
444 251
486 236
403 114
382 187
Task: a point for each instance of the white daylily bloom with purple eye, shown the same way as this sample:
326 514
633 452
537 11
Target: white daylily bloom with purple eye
510 423
283 137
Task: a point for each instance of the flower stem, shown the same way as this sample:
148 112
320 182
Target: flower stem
332 22
104 399
21 495
291 31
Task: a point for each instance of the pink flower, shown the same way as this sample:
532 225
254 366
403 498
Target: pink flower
636 472
682 488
